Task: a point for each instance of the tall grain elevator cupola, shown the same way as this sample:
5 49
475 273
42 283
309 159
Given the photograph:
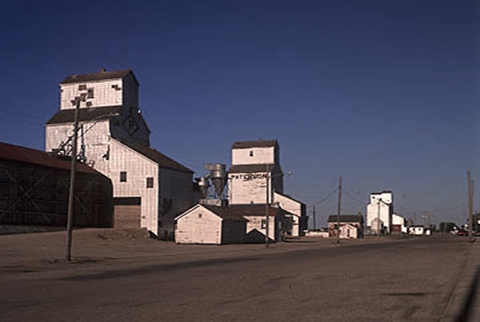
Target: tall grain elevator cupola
255 172
149 188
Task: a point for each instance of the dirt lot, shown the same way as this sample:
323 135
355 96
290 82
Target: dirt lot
120 275
46 250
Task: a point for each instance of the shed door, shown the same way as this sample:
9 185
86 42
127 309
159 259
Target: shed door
127 212
206 233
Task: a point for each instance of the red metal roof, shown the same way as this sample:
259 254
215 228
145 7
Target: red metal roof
27 155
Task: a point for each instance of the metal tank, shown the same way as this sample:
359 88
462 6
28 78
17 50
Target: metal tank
218 177
203 185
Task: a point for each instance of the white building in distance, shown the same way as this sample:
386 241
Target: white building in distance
379 212
149 188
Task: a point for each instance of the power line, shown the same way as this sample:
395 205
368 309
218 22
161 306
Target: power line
363 203
325 199
14 113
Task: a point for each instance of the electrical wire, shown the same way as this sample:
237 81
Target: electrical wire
324 199
347 194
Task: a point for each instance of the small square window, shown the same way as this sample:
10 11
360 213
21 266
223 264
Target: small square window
200 215
150 182
264 223
90 93
82 87
123 176
251 153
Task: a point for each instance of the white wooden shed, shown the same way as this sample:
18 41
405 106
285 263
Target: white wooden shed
206 224
348 231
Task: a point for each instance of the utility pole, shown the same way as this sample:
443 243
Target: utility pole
339 208
314 220
71 194
378 217
470 207
267 214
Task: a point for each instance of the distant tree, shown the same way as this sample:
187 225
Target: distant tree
446 227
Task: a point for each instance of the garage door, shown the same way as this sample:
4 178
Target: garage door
127 212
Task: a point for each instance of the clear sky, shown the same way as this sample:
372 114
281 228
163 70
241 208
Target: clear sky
382 92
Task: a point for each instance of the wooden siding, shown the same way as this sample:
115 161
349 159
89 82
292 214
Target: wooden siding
255 224
199 226
251 191
95 140
250 188
138 169
259 155
127 216
104 94
346 229
295 208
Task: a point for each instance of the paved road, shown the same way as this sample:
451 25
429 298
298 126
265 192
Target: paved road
404 280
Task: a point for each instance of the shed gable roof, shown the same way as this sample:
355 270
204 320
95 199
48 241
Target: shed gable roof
227 213
222 212
346 218
236 212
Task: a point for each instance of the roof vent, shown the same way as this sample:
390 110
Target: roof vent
102 70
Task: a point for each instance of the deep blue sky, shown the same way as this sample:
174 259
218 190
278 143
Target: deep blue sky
380 92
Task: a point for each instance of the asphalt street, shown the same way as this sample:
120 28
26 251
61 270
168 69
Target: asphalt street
385 280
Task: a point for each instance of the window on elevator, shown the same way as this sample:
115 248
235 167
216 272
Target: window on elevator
150 182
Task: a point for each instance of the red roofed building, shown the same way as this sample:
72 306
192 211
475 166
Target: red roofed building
34 188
